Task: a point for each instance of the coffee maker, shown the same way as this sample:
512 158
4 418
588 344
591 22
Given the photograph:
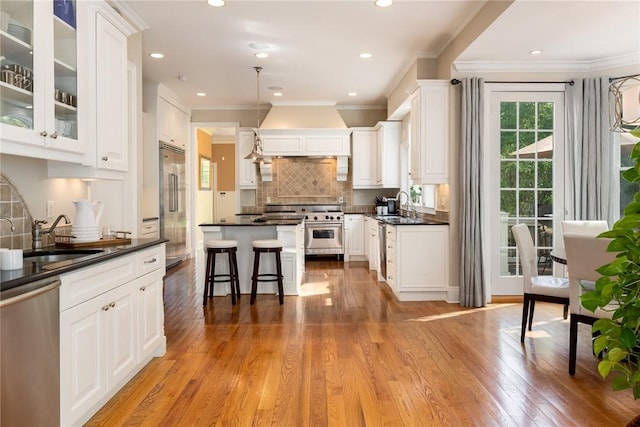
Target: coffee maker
392 206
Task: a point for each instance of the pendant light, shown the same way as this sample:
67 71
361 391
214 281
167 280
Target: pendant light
256 153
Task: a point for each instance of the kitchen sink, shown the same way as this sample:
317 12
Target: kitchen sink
56 255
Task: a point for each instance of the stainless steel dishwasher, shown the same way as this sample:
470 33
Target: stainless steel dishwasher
30 354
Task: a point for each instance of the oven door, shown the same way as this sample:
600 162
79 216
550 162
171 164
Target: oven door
324 238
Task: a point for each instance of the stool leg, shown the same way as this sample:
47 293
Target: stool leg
279 271
232 277
254 277
235 269
207 277
213 274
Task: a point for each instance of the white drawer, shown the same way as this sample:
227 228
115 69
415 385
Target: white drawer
150 259
82 285
149 227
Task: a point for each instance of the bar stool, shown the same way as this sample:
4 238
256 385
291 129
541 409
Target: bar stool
214 247
266 246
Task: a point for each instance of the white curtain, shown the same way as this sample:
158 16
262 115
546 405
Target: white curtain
472 286
590 147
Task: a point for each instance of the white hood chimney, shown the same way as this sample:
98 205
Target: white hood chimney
303 117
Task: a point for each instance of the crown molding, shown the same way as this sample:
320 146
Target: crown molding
547 66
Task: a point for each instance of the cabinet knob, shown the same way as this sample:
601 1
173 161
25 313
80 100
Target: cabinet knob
143 288
105 307
112 304
54 135
105 158
44 133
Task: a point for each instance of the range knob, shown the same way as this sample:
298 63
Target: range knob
306 217
338 217
327 217
315 218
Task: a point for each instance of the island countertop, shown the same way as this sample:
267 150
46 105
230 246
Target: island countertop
255 220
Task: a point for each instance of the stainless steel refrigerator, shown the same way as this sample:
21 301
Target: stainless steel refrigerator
173 221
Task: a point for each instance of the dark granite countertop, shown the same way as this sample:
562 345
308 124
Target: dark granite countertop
33 271
400 220
255 220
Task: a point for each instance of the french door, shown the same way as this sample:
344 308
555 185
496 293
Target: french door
525 165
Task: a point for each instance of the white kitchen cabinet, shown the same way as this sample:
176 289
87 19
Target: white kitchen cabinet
306 142
34 123
111 323
376 156
172 124
430 133
354 234
388 141
245 167
418 262
365 158
374 244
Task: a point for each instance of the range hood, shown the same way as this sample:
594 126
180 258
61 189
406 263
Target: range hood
305 131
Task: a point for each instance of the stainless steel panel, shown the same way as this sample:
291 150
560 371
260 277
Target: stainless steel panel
30 355
324 238
173 223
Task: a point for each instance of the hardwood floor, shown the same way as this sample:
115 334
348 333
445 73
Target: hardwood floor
349 354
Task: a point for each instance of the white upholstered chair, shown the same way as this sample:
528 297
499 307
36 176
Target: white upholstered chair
584 254
590 227
536 288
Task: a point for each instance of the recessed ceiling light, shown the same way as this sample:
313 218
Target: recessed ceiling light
384 3
277 93
353 93
156 55
262 55
366 55
201 94
535 52
216 3
258 45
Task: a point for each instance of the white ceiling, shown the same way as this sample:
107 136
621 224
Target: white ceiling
314 45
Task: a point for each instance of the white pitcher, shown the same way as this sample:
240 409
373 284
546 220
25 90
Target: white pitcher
85 214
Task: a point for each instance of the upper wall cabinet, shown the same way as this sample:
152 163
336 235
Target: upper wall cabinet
376 156
40 98
430 133
245 168
305 142
170 119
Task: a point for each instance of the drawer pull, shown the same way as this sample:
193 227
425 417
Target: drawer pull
143 288
151 261
112 304
105 307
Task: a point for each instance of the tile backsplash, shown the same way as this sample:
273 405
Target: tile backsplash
12 206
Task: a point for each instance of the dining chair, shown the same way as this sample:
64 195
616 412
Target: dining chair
584 255
589 227
536 287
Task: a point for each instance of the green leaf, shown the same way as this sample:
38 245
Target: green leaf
620 383
590 300
616 354
636 132
603 326
630 175
600 344
628 338
636 391
604 367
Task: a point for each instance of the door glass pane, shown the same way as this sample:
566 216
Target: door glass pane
16 50
526 180
65 71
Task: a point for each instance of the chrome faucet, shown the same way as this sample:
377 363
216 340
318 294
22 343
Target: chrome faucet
409 205
36 230
13 228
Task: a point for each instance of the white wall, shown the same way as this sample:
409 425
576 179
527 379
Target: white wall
29 176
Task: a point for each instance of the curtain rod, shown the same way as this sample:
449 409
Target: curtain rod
457 82
622 77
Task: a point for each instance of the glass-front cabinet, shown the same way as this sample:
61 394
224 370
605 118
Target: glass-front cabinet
39 100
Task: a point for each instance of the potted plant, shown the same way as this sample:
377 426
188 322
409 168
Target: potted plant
618 338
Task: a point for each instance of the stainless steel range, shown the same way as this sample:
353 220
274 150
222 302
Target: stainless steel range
324 226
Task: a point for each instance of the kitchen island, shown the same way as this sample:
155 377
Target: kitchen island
245 229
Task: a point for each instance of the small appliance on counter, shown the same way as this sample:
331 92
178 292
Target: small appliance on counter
392 206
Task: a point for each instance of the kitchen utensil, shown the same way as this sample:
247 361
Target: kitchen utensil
85 213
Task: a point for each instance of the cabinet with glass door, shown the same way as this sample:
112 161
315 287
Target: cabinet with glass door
39 81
